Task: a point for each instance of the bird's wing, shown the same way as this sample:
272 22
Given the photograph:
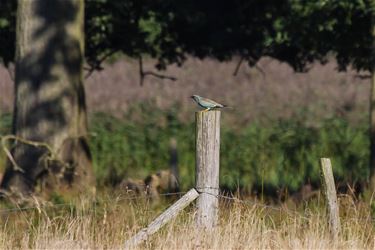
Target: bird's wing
211 102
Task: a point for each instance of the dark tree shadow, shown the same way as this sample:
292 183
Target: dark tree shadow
49 91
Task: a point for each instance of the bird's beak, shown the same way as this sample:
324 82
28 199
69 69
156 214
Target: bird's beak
192 96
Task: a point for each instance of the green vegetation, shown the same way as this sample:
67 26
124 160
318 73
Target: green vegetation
139 143
5 125
281 154
296 32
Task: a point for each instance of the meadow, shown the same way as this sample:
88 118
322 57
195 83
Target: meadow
110 220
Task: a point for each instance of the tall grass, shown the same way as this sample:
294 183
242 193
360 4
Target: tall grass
107 224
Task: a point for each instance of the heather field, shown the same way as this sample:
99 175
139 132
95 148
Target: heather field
272 91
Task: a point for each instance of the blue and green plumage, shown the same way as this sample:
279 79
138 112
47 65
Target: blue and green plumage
206 103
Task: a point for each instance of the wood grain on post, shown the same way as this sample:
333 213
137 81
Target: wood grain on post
207 167
330 193
160 221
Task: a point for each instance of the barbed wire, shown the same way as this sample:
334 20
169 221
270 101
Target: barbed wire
140 196
20 209
132 197
257 204
129 197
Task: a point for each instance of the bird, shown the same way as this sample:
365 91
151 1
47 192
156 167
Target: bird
207 104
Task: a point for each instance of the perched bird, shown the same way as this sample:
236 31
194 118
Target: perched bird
207 104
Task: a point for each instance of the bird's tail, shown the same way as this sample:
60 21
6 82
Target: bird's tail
227 107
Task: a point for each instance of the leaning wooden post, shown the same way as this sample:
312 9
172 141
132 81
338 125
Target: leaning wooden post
330 193
207 167
162 219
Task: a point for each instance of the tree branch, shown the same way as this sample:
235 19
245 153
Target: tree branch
10 72
16 167
143 73
260 70
97 64
9 155
238 66
255 66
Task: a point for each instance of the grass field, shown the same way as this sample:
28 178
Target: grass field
271 143
108 222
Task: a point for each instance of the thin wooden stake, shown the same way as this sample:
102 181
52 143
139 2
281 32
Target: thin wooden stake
207 167
162 219
173 160
330 193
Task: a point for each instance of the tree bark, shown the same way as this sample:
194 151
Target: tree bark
372 109
49 104
372 131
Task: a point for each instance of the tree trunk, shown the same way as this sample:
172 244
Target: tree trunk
372 110
50 102
372 132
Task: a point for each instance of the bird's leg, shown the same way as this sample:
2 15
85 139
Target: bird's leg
207 109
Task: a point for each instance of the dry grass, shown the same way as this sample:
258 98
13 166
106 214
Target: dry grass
109 224
280 93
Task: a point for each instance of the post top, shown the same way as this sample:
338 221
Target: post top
203 112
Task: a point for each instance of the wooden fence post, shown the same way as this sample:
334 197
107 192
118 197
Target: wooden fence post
162 219
330 193
207 167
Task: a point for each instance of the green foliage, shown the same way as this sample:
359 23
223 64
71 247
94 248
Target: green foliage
341 28
293 31
7 30
139 143
281 154
5 123
117 26
5 128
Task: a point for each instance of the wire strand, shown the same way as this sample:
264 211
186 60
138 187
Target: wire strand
146 196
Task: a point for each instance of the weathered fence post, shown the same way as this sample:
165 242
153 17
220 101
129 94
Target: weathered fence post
207 167
162 219
330 193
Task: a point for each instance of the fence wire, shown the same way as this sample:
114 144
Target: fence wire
132 197
128 197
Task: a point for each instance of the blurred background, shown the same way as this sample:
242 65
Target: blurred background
281 124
